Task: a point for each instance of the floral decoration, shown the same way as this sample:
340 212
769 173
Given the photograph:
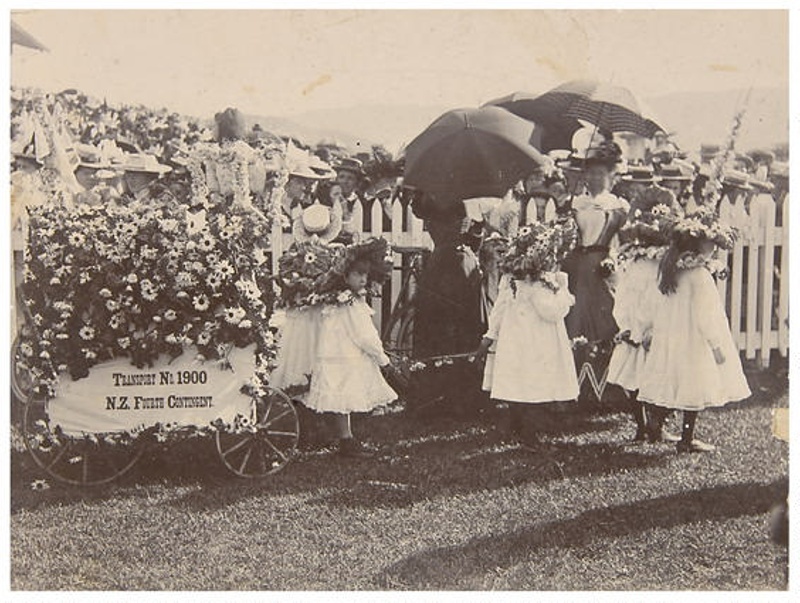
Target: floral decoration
538 251
142 279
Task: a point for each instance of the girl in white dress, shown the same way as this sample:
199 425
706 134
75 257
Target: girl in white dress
347 375
532 361
693 361
644 240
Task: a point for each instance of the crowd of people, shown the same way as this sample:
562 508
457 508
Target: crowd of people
536 265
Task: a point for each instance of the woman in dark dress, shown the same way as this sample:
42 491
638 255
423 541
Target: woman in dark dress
599 215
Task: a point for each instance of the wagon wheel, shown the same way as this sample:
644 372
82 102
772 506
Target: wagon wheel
79 461
398 335
21 382
272 443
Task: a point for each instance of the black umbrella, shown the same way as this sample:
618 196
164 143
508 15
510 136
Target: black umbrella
470 153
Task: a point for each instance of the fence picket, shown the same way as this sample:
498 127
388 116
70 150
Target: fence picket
735 314
767 223
751 306
783 301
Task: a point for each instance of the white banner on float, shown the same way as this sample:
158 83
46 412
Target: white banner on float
117 397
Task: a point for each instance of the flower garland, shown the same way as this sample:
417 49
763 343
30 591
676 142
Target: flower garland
690 260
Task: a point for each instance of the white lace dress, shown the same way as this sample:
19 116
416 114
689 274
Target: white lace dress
532 360
347 376
637 289
681 372
298 348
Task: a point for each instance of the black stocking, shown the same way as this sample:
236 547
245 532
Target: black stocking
689 419
637 408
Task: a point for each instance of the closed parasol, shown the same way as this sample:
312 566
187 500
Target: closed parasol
469 153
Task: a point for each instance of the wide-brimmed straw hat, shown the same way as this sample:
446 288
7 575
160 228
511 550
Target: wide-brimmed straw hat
319 221
639 174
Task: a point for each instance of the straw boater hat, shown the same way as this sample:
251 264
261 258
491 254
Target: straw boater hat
349 164
673 173
322 169
144 163
737 179
319 221
639 174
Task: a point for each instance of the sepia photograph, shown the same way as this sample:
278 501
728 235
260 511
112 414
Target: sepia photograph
369 299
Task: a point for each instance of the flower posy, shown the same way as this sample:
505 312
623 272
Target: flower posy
704 224
539 250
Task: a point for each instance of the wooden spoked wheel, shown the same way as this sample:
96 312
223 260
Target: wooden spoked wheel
266 446
91 460
399 333
21 383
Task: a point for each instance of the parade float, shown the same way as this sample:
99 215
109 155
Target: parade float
150 318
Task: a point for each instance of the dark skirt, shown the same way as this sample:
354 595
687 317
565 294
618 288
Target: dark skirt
592 315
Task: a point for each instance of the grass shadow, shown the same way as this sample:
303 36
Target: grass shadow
446 568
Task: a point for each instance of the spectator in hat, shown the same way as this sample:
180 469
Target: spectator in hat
349 174
677 180
642 191
298 191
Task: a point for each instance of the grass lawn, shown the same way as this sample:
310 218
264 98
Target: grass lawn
448 505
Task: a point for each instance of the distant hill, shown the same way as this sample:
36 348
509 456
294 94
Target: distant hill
706 117
312 133
695 117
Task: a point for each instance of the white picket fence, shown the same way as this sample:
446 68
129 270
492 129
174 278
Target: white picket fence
757 290
756 294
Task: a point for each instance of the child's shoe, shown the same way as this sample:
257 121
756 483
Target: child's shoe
694 446
352 448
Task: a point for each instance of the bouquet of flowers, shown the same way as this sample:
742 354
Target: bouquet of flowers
538 251
303 270
646 234
146 278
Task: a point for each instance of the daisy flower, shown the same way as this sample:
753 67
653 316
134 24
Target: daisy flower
225 268
124 342
76 239
310 258
39 484
206 242
234 315
170 314
203 338
87 333
112 305
214 280
201 302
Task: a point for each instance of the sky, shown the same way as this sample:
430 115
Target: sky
285 63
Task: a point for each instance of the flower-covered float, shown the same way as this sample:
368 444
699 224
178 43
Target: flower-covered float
153 316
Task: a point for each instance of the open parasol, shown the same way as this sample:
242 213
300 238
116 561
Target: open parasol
469 153
607 106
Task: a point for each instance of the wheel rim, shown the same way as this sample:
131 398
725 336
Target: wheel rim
400 331
75 461
21 383
272 443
